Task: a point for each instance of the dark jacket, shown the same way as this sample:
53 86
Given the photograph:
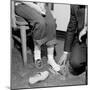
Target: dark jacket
75 25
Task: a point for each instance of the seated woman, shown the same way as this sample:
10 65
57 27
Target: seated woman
44 32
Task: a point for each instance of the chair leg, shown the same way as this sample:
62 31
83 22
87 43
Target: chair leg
12 43
24 46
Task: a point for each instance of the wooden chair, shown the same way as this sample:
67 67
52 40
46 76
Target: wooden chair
23 26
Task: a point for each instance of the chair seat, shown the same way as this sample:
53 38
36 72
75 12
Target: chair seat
20 21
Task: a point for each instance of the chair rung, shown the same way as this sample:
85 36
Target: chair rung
17 38
26 27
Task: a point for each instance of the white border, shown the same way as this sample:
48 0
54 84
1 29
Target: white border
5 44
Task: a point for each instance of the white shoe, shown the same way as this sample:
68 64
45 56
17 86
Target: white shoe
51 60
54 65
38 77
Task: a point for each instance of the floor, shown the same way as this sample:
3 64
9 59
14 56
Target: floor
20 74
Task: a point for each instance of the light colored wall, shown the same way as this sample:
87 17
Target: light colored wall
62 14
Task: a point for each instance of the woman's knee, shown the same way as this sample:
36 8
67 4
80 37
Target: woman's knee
41 23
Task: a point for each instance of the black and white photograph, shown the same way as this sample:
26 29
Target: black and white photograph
49 44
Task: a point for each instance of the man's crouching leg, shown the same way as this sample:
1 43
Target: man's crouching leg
78 59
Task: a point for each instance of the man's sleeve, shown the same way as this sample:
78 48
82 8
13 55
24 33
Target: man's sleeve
70 30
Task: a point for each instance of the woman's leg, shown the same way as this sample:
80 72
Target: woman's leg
51 60
32 16
51 36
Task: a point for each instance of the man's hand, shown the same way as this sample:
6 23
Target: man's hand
82 33
63 65
63 59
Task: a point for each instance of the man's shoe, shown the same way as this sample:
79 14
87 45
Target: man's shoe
54 66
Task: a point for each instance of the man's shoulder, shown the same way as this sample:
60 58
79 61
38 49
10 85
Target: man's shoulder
75 7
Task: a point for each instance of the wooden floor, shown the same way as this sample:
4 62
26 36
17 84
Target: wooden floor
20 74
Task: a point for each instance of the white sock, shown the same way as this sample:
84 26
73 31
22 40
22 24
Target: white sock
51 60
37 52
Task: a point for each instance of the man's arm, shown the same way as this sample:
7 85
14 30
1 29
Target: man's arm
71 29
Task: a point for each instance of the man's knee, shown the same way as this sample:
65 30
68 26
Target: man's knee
74 63
78 56
77 69
39 30
77 66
